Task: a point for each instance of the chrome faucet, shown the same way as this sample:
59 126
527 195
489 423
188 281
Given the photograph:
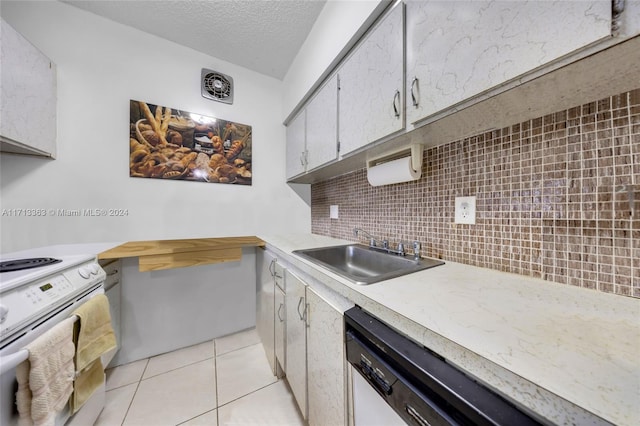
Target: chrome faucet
372 239
416 249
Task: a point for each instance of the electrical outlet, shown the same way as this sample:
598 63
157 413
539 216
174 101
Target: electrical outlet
465 211
333 212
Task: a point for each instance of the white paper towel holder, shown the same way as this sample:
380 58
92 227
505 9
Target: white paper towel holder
413 150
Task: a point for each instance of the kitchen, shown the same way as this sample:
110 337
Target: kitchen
110 64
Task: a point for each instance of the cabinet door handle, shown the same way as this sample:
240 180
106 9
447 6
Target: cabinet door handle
304 312
415 84
278 313
302 159
396 109
114 272
272 265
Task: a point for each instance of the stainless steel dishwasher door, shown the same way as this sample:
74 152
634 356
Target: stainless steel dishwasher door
369 409
421 387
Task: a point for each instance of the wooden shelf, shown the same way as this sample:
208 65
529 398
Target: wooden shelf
157 255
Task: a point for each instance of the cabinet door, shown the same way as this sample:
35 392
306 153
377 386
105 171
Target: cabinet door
296 349
371 86
265 264
296 154
28 93
280 329
459 49
325 363
322 125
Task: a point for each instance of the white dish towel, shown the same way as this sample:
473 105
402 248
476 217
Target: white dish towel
45 379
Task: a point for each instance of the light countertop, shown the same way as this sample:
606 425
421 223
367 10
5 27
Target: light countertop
92 249
543 340
154 254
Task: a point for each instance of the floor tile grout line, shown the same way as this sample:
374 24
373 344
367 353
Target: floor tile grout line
215 356
245 395
198 415
227 403
237 349
177 368
134 393
186 365
215 376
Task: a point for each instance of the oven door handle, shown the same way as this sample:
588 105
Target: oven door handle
9 362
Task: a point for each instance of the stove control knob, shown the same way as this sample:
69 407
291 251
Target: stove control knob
3 313
94 269
84 272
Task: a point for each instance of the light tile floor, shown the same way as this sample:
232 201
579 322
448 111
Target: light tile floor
226 381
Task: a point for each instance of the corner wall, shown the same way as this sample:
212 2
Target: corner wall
336 30
101 65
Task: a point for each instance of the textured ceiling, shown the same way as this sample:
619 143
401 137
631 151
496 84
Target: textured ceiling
261 35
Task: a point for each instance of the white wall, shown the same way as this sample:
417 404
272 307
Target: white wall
165 310
101 66
338 26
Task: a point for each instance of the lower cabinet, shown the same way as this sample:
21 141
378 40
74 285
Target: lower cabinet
307 338
265 286
315 354
325 363
296 350
280 332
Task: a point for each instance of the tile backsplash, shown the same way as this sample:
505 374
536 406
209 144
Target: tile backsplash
552 199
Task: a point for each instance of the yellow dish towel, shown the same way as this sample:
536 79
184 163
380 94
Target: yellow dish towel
45 379
87 381
95 336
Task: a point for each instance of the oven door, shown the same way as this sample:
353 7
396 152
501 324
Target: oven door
12 354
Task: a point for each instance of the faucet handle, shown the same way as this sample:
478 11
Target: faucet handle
401 248
372 242
385 243
416 248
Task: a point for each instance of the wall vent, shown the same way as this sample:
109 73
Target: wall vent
217 86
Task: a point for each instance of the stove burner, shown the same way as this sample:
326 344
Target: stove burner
21 264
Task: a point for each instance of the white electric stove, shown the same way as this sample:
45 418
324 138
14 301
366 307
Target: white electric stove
33 300
27 295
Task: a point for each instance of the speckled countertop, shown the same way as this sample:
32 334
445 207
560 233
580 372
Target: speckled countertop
569 354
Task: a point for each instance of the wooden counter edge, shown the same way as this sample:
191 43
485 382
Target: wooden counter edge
160 247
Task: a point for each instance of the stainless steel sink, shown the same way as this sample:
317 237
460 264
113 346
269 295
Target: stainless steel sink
363 265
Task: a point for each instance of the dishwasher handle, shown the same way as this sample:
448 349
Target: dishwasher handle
375 379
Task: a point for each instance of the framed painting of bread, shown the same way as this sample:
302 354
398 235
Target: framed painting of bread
166 143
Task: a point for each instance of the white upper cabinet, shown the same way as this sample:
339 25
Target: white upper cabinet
296 154
28 93
371 85
459 49
322 125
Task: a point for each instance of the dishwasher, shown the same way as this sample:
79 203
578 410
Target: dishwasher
396 382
